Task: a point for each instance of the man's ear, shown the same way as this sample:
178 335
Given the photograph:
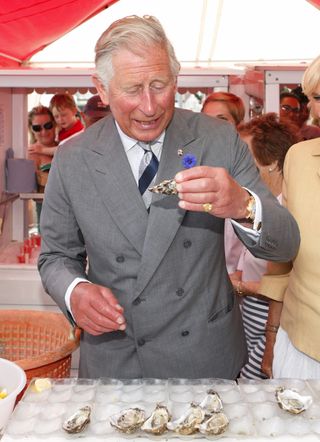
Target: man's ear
101 89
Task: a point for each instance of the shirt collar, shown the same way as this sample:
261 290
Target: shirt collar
128 142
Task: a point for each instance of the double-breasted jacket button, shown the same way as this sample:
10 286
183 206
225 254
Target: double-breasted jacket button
185 333
120 259
141 342
187 243
137 301
179 291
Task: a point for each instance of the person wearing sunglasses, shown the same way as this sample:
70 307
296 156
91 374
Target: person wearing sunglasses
294 108
42 145
41 126
290 108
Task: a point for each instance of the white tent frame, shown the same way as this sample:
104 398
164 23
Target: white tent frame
259 81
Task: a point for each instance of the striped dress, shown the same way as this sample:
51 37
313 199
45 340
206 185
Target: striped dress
254 315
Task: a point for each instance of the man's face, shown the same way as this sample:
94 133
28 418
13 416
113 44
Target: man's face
141 93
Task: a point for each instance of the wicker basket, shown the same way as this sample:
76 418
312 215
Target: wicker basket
40 342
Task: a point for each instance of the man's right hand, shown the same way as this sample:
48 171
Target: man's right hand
95 309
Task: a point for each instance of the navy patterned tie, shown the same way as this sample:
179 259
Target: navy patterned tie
147 171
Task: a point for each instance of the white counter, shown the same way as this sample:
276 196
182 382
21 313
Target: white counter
286 438
251 408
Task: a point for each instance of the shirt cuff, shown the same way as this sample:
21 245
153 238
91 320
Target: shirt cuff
67 296
255 231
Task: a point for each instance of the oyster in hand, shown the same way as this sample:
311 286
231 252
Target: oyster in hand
291 401
78 421
157 421
166 187
129 420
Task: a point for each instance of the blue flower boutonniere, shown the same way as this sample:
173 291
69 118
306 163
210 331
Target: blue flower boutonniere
168 187
189 161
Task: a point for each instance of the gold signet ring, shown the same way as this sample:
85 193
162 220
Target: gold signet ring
207 207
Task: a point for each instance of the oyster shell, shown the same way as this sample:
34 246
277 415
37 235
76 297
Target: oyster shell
157 421
291 401
212 403
78 421
214 424
129 420
166 187
188 423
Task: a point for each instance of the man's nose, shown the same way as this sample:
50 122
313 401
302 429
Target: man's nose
148 102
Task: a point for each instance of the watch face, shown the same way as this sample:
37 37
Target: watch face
251 208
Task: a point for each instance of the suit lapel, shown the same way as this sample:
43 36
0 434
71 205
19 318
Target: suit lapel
165 216
151 235
114 181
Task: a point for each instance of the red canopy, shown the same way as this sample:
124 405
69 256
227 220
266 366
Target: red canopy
315 3
27 26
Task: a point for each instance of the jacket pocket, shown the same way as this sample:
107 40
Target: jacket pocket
224 310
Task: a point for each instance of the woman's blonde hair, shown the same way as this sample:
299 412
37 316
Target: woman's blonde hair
311 78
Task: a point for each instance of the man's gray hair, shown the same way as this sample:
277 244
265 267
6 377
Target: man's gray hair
134 34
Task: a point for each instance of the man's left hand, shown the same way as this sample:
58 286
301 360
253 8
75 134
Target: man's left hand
211 190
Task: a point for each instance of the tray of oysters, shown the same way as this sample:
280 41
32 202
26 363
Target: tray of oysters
118 409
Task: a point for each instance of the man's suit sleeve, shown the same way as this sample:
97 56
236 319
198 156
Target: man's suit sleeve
63 256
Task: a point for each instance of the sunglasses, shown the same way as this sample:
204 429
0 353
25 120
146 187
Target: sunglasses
47 126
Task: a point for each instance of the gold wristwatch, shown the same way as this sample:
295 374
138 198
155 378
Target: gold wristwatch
251 209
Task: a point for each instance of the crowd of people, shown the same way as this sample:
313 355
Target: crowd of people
49 127
220 264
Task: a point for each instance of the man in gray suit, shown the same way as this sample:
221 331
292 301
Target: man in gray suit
148 284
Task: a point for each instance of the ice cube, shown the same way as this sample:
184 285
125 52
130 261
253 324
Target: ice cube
230 397
26 410
241 426
274 426
181 396
47 426
263 411
20 427
236 410
298 426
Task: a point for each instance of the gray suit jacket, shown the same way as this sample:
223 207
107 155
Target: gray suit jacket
167 269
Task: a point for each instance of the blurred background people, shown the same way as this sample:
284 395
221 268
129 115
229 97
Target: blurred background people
225 106
42 147
94 110
308 128
294 107
290 108
268 140
292 332
66 115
